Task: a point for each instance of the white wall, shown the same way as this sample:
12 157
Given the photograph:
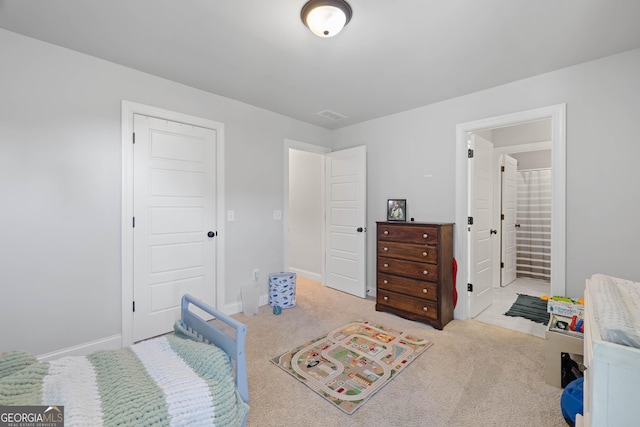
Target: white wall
533 159
60 178
60 182
306 213
525 133
411 155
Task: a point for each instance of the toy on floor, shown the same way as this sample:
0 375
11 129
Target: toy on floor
277 310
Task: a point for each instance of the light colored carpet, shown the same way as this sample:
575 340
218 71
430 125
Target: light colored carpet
474 375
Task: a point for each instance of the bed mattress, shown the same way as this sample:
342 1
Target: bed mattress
616 305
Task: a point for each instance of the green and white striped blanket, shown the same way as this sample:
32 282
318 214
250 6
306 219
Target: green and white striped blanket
166 381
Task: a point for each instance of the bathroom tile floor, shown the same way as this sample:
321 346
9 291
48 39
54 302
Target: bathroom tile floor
504 297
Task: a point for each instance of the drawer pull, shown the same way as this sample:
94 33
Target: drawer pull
425 272
425 308
385 298
385 281
425 235
424 291
385 249
385 265
386 232
424 254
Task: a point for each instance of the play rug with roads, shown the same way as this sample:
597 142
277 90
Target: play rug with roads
351 363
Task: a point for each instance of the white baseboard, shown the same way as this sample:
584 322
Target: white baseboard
308 274
109 343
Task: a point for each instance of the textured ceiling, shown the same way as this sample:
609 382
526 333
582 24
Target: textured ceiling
391 57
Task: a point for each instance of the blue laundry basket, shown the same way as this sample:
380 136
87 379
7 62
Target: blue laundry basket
282 289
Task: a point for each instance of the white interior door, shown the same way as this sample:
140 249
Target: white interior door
509 215
481 210
346 220
174 210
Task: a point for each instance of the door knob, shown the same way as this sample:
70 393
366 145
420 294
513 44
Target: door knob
494 231
360 230
211 234
517 225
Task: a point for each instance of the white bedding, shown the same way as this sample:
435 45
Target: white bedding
167 381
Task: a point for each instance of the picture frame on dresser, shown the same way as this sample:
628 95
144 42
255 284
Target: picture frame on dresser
396 209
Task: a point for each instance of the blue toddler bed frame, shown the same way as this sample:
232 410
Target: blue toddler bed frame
232 345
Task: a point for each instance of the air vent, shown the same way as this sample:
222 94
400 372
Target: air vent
331 115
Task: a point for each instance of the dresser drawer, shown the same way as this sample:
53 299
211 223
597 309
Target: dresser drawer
409 252
408 234
413 305
402 285
411 269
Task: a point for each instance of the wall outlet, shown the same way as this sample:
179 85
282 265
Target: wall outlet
231 216
255 274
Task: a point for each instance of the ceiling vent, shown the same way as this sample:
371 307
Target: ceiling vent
331 115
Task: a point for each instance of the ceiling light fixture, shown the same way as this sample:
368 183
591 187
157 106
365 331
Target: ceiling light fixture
326 18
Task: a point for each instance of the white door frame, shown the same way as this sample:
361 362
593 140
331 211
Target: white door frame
557 113
128 110
302 146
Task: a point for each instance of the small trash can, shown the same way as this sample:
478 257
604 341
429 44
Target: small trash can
250 299
282 289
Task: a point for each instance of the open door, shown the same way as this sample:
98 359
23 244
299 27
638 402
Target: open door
480 224
508 219
346 220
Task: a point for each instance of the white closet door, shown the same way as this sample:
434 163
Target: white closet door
174 209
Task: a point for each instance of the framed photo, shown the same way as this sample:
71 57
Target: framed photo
397 210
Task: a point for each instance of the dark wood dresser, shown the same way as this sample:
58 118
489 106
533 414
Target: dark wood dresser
415 271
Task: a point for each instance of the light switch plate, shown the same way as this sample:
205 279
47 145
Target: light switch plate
277 214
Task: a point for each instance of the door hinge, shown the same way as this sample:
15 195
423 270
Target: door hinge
502 217
134 222
501 168
134 137
502 265
470 153
469 287
134 306
470 220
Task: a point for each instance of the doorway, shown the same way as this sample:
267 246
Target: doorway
556 115
305 214
324 219
522 243
304 244
523 174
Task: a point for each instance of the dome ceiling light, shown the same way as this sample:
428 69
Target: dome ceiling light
326 18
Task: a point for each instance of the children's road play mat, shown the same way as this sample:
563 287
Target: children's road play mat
351 363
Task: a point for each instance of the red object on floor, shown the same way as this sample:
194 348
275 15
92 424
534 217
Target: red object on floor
455 291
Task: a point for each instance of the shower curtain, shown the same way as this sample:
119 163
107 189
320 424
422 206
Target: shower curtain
533 236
